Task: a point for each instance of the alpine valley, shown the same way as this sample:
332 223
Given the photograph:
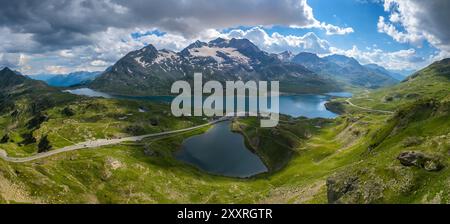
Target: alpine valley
386 142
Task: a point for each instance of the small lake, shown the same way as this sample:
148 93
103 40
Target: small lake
222 152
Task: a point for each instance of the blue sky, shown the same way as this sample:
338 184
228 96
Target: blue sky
363 17
396 34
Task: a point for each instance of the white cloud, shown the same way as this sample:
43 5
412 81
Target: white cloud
93 34
56 25
395 60
335 30
420 20
401 37
53 69
276 42
99 63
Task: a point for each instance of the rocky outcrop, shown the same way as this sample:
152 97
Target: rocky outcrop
337 187
420 160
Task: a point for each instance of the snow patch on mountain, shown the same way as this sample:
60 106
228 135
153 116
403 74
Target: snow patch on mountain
143 63
218 54
164 56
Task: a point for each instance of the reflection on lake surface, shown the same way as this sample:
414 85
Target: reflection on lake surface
88 92
222 152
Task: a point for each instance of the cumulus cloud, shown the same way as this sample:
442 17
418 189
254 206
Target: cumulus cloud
56 24
420 20
335 30
278 43
91 34
395 60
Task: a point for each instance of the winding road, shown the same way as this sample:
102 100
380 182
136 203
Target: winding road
366 95
99 143
368 109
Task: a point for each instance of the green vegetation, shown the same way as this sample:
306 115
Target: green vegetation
362 156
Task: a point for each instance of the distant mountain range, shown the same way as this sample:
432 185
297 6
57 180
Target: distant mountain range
66 80
348 70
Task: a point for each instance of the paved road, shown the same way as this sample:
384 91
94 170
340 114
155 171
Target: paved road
368 109
99 143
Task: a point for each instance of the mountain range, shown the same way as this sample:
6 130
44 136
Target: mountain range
66 80
348 70
149 71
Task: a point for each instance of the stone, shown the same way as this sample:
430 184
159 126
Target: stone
420 160
337 187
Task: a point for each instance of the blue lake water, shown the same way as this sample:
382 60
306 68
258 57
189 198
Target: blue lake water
222 152
307 105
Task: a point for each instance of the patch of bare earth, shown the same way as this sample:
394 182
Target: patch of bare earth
14 193
296 195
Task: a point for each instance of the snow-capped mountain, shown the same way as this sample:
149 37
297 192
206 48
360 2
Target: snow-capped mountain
151 72
286 56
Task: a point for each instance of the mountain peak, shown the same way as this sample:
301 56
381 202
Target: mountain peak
6 69
150 48
306 57
343 60
10 78
308 54
286 56
245 46
286 53
219 42
197 44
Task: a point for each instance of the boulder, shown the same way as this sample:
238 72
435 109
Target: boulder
420 160
337 187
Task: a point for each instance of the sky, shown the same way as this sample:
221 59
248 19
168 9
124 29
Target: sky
62 36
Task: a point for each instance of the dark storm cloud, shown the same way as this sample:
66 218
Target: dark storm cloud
57 23
66 23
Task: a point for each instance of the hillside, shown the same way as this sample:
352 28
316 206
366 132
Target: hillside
347 70
431 82
33 112
22 94
151 72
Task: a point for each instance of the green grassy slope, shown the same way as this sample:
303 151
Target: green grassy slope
352 159
431 82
